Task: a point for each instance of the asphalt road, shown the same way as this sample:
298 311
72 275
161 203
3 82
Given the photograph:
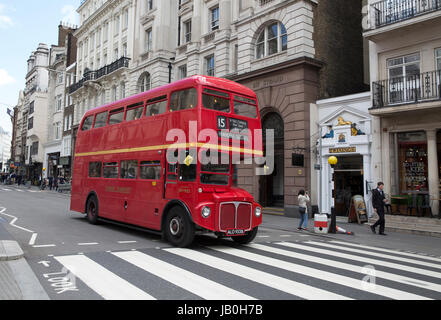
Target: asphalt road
75 260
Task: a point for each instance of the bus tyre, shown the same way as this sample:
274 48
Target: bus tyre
92 210
178 229
246 238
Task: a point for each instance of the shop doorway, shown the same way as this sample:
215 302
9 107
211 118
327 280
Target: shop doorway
271 191
348 180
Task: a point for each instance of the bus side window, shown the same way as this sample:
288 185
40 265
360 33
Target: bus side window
110 170
101 120
172 171
134 112
129 169
184 99
187 166
87 124
156 108
95 169
116 116
150 170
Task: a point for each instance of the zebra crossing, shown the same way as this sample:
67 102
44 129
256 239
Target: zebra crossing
288 270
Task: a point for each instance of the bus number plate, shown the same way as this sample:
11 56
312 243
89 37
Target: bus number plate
235 232
222 123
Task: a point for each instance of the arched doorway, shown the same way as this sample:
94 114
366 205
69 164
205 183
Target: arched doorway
271 192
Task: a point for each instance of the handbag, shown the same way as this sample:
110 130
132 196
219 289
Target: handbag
302 210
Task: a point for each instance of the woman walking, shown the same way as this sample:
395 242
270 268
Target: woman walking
303 209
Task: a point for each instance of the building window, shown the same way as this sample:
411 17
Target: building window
115 54
34 148
117 22
114 93
123 90
144 82
214 13
126 18
124 48
271 40
106 32
30 123
183 72
58 103
149 5
60 78
187 28
148 40
209 65
57 127
402 72
67 143
438 59
31 108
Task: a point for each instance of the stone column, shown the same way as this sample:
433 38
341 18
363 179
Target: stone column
432 159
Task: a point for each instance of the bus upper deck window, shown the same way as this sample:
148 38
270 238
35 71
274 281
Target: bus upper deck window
216 100
134 112
156 108
101 120
116 116
87 124
184 99
245 107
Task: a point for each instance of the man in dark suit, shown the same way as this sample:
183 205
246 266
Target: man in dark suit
378 202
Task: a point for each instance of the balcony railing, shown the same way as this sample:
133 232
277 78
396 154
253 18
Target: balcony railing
423 87
392 11
97 74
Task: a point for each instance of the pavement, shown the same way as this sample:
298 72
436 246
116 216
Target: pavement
17 280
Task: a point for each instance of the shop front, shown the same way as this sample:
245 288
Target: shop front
343 131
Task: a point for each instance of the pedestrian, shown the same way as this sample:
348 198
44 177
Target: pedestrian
303 209
378 202
51 180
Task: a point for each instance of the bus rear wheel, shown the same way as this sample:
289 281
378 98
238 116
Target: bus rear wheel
178 228
92 210
246 238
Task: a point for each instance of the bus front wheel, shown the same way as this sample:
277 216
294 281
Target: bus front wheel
178 229
246 238
92 210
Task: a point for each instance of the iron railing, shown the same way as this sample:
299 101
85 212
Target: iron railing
410 89
392 11
97 74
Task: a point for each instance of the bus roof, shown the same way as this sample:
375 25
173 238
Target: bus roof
220 83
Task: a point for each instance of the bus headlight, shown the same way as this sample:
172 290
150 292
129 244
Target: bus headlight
258 212
206 211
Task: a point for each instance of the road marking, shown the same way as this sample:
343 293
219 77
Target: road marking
44 246
102 281
202 287
350 267
6 189
33 238
379 255
19 190
32 191
88 244
126 242
14 219
322 275
285 236
407 253
295 288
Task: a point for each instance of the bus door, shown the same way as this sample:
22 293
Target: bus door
171 180
181 177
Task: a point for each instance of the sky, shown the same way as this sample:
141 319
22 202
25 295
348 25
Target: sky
23 25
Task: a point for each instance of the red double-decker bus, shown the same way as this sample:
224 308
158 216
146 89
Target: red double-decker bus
123 172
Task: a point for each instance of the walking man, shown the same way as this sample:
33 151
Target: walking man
378 202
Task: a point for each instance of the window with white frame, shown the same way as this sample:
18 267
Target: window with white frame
214 18
60 78
115 54
126 18
106 32
69 123
117 24
209 65
57 130
438 59
65 122
122 90
148 40
403 77
98 39
183 72
187 30
67 144
149 5
58 103
114 93
124 48
271 40
144 82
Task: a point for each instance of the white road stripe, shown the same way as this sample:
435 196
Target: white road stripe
19 190
366 260
346 266
88 244
191 282
295 288
379 255
33 239
126 242
322 275
6 189
44 246
32 191
388 250
102 281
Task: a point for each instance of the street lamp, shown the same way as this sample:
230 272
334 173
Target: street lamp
332 160
170 66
